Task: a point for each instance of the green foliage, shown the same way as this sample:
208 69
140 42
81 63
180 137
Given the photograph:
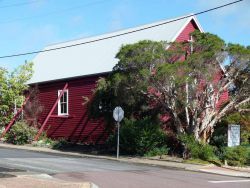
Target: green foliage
138 137
210 44
197 150
237 156
20 134
60 143
196 161
44 141
12 87
219 138
238 50
141 55
127 85
149 80
1 130
233 118
157 152
245 137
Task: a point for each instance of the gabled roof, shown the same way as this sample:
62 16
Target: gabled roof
99 56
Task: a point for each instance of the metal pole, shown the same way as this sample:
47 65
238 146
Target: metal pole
118 138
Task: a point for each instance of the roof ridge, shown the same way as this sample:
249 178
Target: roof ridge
121 30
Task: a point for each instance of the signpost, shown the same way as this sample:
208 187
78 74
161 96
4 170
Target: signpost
233 135
118 115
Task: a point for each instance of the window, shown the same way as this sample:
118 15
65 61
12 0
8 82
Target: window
63 103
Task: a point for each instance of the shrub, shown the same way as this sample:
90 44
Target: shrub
248 156
1 130
44 141
219 137
20 134
157 152
60 143
237 156
207 152
138 137
245 137
197 150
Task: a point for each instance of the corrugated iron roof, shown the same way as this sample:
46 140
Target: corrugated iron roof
99 56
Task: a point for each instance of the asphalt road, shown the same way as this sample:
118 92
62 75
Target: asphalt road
111 174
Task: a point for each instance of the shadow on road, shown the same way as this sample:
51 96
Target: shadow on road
5 172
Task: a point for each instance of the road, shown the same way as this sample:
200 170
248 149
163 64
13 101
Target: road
111 174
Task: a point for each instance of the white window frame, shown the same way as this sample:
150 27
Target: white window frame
59 103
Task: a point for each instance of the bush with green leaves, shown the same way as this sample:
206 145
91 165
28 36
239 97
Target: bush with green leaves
219 136
245 137
2 130
157 152
237 156
197 150
60 143
138 137
48 143
20 133
44 141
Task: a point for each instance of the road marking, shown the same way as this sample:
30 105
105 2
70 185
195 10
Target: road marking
26 166
230 181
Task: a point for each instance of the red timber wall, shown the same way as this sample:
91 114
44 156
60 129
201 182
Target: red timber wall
185 34
77 127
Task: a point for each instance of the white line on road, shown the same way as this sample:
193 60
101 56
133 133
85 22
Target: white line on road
29 167
230 181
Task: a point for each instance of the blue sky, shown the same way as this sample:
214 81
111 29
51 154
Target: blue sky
32 26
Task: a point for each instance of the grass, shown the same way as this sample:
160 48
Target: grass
196 161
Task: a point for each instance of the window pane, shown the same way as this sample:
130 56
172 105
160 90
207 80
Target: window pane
61 108
63 103
65 97
65 108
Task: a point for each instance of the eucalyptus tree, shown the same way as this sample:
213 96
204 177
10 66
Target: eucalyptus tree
190 87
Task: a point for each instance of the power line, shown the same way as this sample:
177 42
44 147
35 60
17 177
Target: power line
121 34
54 12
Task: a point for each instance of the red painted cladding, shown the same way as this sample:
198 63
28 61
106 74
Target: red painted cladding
77 127
185 34
224 97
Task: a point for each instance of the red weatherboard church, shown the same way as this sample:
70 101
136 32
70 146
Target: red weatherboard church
76 69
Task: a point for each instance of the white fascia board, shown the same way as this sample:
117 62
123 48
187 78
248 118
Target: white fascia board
184 26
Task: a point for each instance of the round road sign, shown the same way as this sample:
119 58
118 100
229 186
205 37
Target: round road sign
118 114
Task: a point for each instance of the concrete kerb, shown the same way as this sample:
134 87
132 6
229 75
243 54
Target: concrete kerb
174 165
138 161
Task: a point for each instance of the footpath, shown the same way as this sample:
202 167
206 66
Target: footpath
40 182
168 163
